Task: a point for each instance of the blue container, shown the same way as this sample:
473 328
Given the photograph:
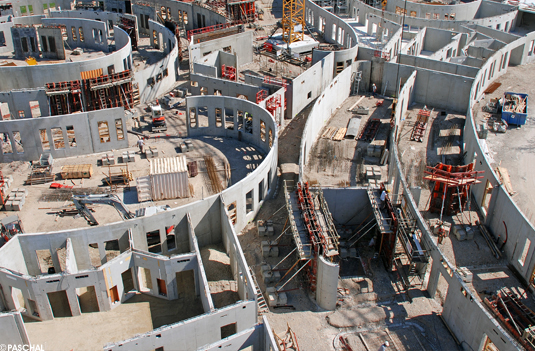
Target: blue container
518 118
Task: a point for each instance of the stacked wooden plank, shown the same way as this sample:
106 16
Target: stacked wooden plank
340 134
76 171
329 132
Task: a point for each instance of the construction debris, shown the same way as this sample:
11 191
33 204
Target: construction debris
418 131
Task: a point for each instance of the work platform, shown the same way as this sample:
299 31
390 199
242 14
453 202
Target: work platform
384 220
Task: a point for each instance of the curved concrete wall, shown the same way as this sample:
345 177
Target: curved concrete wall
37 7
462 11
337 31
163 72
265 173
507 16
37 76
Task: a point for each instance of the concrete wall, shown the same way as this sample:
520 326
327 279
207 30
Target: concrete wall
109 18
227 87
324 107
22 8
19 100
241 45
435 65
13 331
433 88
337 31
163 72
310 84
95 33
462 11
504 14
23 77
85 125
5 31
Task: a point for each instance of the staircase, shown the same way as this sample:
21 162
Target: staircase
262 304
143 187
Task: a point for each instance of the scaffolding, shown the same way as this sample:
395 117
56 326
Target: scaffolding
452 185
243 11
293 20
113 90
64 97
228 72
312 228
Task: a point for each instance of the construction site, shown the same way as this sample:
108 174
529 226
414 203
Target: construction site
266 175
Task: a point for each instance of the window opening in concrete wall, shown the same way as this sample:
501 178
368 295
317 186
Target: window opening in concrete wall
45 8
193 117
52 44
270 138
249 203
436 16
71 136
18 142
24 43
147 21
240 120
52 6
202 115
103 132
21 114
487 344
262 130
442 289
94 255
81 34
204 90
487 195
412 14
309 95
505 59
110 24
33 309
112 249
506 26
185 284
44 139
333 34
23 10
128 280
2 39
73 32
232 212
229 118
4 111
155 39
32 44
168 14
525 251
228 330
145 279
87 299
218 118
154 242
248 120
261 190
59 304
44 44
119 129
339 67
218 92
57 137
180 15
170 238
111 69
227 49
7 147
114 294
163 12
241 96
18 299
35 109
194 84
162 287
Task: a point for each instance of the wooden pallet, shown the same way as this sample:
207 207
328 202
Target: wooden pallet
340 134
504 176
329 132
39 178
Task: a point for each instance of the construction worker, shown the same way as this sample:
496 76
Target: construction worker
383 199
140 144
384 346
374 89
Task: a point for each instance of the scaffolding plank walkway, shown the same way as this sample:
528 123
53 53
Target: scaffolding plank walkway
302 240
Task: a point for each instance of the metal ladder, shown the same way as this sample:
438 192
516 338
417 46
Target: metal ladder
102 96
262 304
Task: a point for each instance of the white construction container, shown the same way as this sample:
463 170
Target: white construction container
169 178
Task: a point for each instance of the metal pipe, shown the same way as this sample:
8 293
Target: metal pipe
362 236
284 276
283 259
299 270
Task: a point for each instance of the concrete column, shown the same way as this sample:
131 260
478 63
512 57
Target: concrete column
327 284
432 283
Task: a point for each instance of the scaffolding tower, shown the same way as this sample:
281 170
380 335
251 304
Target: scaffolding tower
293 20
